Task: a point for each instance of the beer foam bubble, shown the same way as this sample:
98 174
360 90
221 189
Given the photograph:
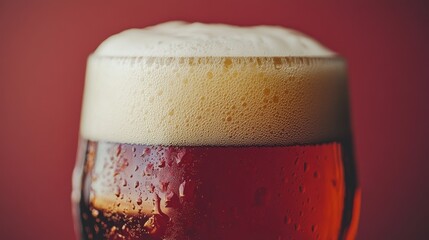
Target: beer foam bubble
180 39
134 97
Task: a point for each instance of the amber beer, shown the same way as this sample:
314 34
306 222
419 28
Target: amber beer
230 146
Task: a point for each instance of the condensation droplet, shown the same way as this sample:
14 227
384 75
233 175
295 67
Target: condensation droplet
146 152
149 169
260 197
287 220
334 182
139 201
151 188
126 163
179 156
171 200
117 191
94 212
297 227
182 189
161 164
296 161
314 228
156 224
118 150
164 186
316 174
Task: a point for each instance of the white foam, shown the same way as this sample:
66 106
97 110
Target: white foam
212 100
180 39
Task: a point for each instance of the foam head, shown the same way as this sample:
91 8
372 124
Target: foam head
180 39
201 84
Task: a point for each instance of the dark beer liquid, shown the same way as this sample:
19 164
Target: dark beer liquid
131 191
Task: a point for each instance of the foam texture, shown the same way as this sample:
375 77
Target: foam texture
180 39
174 84
215 100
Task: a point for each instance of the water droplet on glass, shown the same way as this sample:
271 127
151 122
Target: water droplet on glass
94 212
287 220
151 188
118 150
124 226
161 164
316 174
297 227
171 200
139 201
156 225
296 161
163 186
334 182
260 197
179 156
146 151
149 169
313 228
117 191
182 189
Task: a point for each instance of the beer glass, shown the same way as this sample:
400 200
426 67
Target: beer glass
209 145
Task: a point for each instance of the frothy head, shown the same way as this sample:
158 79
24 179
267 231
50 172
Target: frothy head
176 84
180 39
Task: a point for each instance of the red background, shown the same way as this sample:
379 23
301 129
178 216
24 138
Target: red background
43 49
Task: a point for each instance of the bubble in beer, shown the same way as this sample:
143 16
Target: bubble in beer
287 220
